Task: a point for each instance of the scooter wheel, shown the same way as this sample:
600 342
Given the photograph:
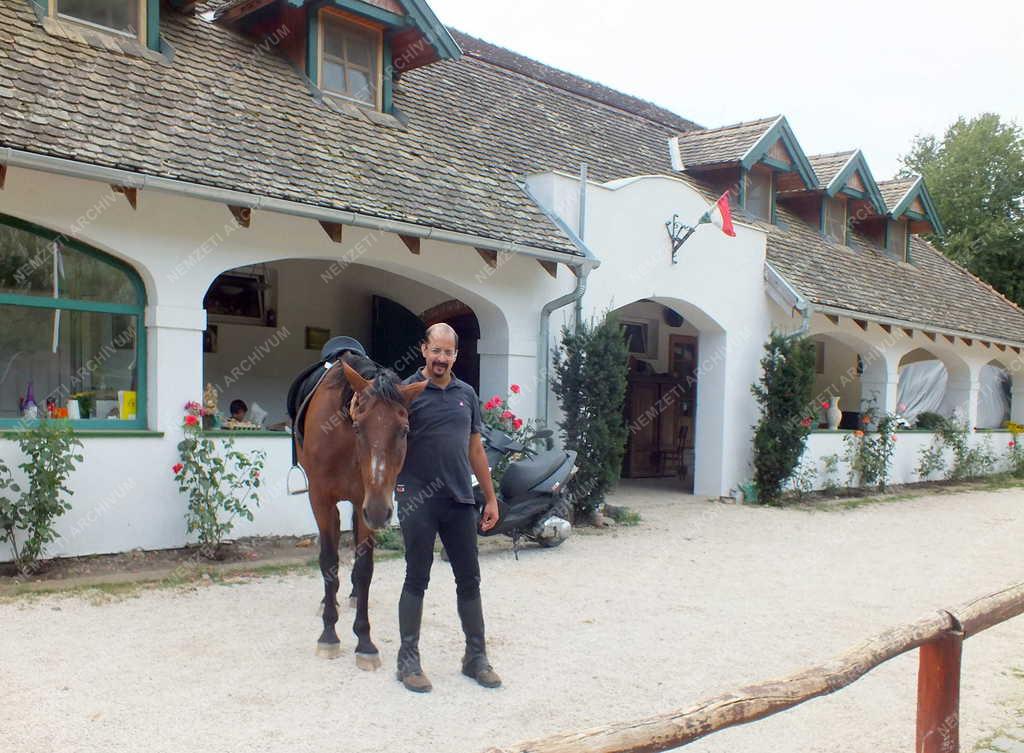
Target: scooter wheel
550 543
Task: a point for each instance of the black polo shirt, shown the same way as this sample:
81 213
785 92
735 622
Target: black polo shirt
440 424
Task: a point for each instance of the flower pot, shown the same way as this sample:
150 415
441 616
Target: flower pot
834 415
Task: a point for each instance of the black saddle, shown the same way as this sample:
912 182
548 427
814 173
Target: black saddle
309 379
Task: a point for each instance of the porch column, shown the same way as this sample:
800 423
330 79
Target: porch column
175 363
1017 394
962 393
880 385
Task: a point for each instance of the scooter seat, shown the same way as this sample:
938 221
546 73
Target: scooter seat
525 474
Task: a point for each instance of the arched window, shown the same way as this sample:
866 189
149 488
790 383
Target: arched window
73 337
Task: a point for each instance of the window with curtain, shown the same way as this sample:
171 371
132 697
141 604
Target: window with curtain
116 15
73 340
350 60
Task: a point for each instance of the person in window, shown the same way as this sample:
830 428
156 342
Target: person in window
238 410
435 496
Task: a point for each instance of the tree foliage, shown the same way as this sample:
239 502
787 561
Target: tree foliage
975 175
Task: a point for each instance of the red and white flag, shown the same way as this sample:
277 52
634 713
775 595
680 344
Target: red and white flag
720 216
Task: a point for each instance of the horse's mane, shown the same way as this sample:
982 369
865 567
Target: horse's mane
384 382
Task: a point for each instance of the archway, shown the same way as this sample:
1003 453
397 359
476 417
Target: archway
934 382
673 405
267 321
852 373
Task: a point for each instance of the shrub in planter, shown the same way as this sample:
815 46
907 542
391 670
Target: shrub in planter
50 451
784 394
928 421
219 481
590 381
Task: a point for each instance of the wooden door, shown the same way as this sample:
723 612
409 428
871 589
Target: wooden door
642 445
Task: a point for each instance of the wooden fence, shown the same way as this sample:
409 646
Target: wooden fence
940 640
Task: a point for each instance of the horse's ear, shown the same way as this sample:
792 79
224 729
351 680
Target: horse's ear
412 391
354 378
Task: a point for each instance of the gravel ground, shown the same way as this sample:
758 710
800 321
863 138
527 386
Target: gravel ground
699 598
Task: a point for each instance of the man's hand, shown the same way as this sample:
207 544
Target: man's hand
490 516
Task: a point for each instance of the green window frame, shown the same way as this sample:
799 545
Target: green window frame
135 311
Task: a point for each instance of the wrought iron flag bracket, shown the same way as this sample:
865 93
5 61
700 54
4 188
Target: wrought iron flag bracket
679 233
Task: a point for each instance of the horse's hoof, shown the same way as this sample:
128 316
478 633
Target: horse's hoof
328 650
368 662
352 602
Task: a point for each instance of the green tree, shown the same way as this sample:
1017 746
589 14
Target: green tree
590 381
784 393
975 175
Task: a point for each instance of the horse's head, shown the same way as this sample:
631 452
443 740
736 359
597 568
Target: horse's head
380 420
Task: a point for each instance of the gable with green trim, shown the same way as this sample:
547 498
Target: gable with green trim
917 206
778 149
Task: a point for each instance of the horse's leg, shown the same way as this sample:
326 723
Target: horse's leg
329 523
367 656
352 596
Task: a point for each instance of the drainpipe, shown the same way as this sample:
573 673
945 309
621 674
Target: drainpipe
582 269
788 298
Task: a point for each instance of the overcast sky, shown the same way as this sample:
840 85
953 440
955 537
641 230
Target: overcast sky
867 74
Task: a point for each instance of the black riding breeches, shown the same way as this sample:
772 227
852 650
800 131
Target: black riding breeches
423 518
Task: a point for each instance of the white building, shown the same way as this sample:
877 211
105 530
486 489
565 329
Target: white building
242 178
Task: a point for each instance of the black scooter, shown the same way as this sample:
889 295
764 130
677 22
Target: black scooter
533 500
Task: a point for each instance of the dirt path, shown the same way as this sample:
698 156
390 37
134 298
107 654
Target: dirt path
700 598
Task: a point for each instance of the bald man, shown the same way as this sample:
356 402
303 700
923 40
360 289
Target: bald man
435 496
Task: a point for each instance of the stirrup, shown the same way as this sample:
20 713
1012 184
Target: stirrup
302 482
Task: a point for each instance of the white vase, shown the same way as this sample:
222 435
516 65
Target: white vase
834 415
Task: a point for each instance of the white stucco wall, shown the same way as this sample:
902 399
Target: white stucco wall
717 285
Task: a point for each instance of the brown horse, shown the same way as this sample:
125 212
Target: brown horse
355 439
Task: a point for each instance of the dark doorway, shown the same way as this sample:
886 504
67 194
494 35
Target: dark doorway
396 338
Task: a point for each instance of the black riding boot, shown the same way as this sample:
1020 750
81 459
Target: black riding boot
474 663
410 614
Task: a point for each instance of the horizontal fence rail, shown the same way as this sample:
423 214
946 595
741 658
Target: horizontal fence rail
940 637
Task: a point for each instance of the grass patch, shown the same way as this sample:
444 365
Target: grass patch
624 516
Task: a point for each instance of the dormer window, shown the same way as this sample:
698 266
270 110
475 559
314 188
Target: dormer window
896 239
350 58
121 16
834 211
759 193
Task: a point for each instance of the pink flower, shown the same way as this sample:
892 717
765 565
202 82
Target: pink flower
806 423
517 424
825 405
191 421
255 474
508 414
515 389
192 405
489 405
177 468
1011 444
893 437
496 400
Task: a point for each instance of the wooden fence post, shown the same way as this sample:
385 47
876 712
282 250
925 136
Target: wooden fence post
938 695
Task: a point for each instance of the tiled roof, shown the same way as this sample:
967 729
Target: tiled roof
223 113
894 190
713 146
861 278
827 166
569 82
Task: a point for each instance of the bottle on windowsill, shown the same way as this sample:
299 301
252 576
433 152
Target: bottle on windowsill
29 409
